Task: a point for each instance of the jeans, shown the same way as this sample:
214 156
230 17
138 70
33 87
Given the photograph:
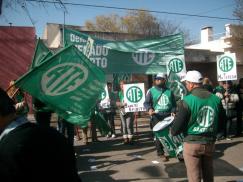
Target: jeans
127 124
199 161
109 117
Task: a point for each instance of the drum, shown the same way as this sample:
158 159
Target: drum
170 143
163 124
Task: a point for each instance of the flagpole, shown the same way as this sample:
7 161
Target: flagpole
63 27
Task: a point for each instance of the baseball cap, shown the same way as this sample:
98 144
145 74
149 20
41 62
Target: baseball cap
193 76
160 75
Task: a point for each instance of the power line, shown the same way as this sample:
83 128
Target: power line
28 13
134 9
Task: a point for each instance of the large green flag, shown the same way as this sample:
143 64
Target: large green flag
148 56
67 82
41 54
174 84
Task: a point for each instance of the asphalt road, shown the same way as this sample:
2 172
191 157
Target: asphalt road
110 160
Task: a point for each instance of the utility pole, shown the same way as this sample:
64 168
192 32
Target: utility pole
63 27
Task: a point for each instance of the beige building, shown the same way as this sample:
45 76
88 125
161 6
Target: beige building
209 48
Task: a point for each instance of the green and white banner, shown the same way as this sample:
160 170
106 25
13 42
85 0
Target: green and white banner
134 97
226 67
141 56
176 65
67 82
41 54
105 100
174 84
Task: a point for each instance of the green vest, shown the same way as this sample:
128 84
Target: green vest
121 96
204 115
164 103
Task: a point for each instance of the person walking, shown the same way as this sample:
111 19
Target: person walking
160 103
29 152
127 118
198 118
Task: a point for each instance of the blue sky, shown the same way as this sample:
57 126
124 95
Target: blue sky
77 15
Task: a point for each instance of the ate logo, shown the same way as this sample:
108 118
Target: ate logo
134 94
226 64
166 143
175 65
63 78
205 116
163 101
143 58
103 95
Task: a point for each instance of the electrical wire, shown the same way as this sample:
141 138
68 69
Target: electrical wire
134 9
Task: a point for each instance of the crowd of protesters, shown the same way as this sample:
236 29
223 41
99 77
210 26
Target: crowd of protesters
229 95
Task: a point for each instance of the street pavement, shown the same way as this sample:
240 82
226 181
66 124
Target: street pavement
110 160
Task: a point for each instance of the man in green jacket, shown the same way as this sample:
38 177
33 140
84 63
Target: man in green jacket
160 103
198 118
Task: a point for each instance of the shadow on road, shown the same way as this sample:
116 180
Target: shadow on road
221 147
221 168
141 140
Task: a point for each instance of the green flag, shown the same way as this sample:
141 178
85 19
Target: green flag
174 84
76 119
67 82
101 123
41 54
147 56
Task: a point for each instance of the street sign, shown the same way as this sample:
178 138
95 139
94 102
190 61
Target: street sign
134 97
226 67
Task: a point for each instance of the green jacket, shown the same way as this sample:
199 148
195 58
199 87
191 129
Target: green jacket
194 111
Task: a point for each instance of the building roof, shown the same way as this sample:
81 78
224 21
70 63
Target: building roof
17 46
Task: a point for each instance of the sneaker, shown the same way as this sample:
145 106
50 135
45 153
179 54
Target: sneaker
113 136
